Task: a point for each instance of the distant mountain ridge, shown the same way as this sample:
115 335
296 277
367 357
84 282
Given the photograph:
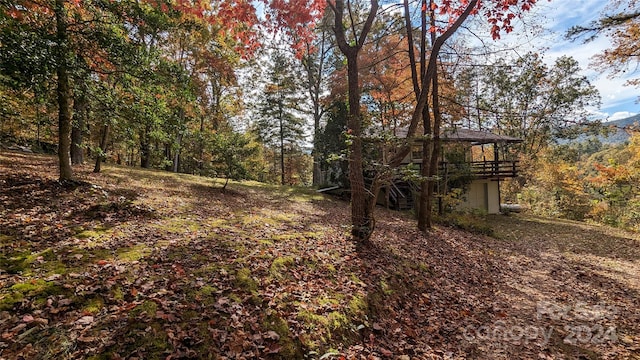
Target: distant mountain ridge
619 135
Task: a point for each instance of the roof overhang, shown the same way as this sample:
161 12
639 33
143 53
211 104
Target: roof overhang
475 137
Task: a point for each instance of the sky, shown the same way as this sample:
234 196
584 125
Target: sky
618 101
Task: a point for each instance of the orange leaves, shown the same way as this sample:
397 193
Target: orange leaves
614 174
14 13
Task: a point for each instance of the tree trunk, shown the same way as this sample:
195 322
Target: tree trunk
361 216
176 155
317 178
167 156
201 143
430 160
430 146
63 92
281 143
145 148
435 149
77 153
103 149
362 220
80 106
314 85
424 203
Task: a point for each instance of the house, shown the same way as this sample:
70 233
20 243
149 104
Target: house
473 163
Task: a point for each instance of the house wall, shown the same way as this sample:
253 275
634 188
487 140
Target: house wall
482 195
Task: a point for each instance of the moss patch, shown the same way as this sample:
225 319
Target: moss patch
148 308
35 290
280 265
245 281
95 233
290 349
134 254
94 305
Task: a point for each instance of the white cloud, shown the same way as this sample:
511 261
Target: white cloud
564 14
556 17
620 115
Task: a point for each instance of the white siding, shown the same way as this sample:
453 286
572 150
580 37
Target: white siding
482 195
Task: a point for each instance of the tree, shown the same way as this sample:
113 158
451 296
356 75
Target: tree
63 89
622 26
232 153
70 31
529 100
331 145
362 201
499 13
315 61
281 124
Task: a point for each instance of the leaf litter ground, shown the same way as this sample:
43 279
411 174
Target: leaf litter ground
142 264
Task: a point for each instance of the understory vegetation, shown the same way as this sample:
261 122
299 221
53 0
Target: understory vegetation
587 181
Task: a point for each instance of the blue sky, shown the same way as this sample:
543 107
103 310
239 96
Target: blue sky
618 100
543 30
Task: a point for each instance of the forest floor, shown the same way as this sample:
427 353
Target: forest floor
142 264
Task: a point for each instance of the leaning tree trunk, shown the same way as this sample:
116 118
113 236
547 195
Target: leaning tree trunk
63 92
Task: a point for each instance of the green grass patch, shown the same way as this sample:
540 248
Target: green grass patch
21 262
386 289
312 320
148 307
338 321
207 290
358 306
151 339
329 268
15 263
117 293
6 240
333 301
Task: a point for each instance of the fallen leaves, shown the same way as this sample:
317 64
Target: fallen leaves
85 320
255 274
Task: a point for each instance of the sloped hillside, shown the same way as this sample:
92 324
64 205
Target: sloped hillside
136 264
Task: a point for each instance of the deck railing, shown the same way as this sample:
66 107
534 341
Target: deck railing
482 169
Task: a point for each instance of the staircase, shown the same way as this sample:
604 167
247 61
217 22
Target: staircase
401 195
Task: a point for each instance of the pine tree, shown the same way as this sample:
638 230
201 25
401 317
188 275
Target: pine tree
281 122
